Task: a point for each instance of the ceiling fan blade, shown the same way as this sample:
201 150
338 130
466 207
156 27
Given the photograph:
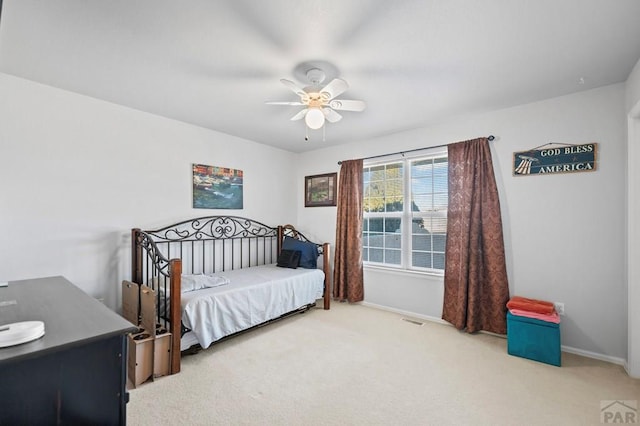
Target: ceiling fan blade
331 115
300 115
294 87
347 105
284 103
336 87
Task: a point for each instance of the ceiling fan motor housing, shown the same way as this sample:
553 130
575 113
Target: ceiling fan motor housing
315 76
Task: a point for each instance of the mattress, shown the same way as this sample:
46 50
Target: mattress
254 295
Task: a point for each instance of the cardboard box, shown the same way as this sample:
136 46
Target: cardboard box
140 361
131 302
162 353
533 339
141 346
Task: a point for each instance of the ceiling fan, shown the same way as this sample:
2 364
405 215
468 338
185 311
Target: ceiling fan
319 102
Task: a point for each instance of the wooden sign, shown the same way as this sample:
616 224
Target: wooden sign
547 161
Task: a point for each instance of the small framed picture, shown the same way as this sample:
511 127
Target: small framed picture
320 190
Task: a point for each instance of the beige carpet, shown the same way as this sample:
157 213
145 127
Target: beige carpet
355 365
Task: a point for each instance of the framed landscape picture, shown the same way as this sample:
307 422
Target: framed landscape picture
217 187
320 190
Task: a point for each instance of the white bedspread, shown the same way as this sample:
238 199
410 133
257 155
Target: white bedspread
254 295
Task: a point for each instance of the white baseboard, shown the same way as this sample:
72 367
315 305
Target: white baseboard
594 355
626 368
568 349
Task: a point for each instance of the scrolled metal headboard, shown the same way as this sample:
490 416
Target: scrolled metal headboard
213 227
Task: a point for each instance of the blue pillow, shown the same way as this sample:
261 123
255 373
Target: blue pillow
308 252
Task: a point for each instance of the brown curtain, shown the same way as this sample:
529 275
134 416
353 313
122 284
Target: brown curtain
347 273
475 279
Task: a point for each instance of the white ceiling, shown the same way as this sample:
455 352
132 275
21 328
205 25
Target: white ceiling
215 63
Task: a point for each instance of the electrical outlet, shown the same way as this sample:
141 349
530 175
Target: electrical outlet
559 308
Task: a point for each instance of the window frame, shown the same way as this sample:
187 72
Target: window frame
406 216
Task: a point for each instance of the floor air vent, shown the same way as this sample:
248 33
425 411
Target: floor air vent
412 321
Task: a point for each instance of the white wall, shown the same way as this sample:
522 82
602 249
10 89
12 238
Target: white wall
633 207
78 173
564 234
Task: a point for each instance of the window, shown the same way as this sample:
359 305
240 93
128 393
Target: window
405 213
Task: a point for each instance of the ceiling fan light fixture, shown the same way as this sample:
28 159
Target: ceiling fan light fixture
314 118
319 102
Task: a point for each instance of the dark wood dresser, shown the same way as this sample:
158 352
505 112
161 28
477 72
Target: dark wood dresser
76 372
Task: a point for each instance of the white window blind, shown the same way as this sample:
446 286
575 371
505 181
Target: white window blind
405 213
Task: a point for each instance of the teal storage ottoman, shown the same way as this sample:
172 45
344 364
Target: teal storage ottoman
533 339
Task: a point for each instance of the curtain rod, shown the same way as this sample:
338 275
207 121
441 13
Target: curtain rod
490 138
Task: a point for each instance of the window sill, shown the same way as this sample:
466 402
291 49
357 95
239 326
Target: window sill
400 271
